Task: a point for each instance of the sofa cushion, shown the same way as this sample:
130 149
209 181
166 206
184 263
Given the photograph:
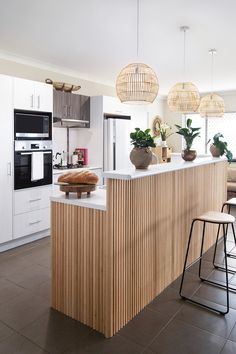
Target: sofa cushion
231 186
231 174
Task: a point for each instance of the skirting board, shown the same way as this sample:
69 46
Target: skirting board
24 240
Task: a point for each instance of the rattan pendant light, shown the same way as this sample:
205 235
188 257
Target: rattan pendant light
212 105
184 96
137 83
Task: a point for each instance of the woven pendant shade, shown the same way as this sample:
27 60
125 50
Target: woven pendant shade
183 97
212 106
137 83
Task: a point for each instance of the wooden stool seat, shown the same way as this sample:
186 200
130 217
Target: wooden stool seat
217 217
231 201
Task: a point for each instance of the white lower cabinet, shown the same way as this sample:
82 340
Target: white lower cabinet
30 223
27 200
31 211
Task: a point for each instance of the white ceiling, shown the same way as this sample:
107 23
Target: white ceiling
96 38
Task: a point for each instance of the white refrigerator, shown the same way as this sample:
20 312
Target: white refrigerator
116 133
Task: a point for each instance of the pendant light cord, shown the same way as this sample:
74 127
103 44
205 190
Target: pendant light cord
184 68
137 29
212 70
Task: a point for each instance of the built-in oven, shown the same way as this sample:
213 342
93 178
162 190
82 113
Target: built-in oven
32 125
32 164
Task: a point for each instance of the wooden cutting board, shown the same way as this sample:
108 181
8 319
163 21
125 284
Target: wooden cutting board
76 188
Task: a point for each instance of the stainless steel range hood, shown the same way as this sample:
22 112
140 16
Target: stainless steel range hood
69 123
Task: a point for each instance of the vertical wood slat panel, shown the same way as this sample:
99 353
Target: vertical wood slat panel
108 265
154 243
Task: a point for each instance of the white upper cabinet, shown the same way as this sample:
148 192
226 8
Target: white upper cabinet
32 95
6 146
43 97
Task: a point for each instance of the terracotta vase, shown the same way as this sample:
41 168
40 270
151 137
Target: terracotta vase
189 155
214 151
141 157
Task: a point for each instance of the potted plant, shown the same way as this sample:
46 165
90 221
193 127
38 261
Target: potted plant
163 130
189 134
219 148
141 155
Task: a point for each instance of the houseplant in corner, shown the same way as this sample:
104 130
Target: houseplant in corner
141 155
189 134
219 148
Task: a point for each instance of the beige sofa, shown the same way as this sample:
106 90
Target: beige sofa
231 181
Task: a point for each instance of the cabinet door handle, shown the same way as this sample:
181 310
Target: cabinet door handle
9 169
38 101
34 222
34 200
69 113
32 101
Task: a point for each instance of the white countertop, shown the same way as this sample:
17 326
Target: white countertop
58 171
177 164
96 200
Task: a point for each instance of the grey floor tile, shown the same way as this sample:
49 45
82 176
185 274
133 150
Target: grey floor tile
216 295
207 320
182 338
95 343
9 291
17 344
55 332
23 310
229 348
31 278
233 334
5 331
168 302
144 327
190 285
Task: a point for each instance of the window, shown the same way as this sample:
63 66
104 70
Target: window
209 127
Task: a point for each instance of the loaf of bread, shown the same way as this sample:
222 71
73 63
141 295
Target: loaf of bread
83 177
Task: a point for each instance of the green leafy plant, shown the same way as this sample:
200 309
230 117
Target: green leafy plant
222 146
142 139
189 133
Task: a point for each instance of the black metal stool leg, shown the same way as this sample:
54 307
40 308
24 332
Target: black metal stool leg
225 229
230 254
200 261
215 249
186 258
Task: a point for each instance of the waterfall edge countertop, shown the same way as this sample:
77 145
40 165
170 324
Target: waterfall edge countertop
98 200
177 164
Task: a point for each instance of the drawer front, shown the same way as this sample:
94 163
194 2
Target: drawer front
32 199
29 223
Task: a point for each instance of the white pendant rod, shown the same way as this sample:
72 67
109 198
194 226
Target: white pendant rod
137 53
212 52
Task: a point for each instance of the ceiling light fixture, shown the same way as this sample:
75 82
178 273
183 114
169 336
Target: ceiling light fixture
137 83
184 96
212 105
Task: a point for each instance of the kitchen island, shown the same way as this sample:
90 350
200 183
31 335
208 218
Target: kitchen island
114 252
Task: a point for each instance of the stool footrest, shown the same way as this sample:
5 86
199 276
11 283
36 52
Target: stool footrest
205 306
222 269
218 284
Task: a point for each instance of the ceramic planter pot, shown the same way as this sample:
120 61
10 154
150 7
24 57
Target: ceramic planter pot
141 157
189 155
214 151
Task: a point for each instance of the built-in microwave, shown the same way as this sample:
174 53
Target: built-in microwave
32 125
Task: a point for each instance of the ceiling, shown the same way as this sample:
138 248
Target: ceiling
96 38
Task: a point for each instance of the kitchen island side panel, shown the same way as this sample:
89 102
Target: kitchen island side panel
150 219
78 264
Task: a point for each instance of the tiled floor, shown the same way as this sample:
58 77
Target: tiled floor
166 326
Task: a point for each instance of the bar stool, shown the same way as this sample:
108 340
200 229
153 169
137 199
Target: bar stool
231 202
224 220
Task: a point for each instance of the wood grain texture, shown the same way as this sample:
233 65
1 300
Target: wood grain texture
107 266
